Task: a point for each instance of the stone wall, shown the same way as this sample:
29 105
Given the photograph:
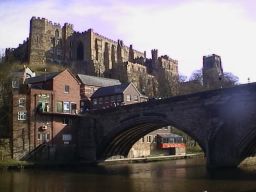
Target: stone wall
93 54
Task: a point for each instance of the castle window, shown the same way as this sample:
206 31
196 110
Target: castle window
22 115
57 34
22 102
80 52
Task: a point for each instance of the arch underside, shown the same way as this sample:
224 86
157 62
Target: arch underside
247 144
120 143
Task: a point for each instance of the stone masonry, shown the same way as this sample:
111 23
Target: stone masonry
93 54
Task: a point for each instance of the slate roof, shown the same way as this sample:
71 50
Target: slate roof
110 90
41 78
97 81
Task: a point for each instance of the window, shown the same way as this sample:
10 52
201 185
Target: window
15 84
66 137
66 107
47 136
142 139
106 99
39 136
155 138
22 102
22 115
119 98
136 98
94 101
149 139
67 121
59 107
112 98
66 89
100 100
128 97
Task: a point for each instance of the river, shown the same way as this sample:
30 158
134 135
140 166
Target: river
187 175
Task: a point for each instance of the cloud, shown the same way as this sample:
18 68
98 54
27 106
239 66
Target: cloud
184 30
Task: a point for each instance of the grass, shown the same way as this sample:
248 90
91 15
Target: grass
13 164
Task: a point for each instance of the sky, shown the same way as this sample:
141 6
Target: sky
185 30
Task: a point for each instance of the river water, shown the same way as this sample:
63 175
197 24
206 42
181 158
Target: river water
173 176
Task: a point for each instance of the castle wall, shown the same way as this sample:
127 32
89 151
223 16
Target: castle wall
93 54
46 41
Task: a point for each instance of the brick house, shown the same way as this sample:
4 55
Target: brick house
159 142
42 112
89 84
111 96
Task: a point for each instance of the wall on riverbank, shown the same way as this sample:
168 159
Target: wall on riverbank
5 150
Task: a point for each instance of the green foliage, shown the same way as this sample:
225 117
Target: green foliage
195 83
46 68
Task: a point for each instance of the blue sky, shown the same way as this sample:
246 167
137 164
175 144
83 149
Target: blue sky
185 30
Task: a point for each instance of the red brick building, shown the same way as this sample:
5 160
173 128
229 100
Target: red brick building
111 96
55 96
90 84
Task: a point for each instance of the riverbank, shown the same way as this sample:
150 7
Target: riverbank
13 164
152 158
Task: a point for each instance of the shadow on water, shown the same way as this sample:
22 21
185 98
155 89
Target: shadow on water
174 176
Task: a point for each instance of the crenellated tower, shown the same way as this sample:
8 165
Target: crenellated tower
212 71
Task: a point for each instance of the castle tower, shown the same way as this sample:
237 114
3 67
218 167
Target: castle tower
212 71
131 54
154 64
45 42
67 31
120 54
36 41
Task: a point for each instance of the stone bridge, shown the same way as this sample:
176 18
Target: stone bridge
222 121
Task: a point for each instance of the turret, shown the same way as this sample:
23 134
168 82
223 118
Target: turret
212 71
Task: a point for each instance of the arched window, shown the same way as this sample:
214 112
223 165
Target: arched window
80 51
57 33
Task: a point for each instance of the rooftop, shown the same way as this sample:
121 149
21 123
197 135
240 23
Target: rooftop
97 81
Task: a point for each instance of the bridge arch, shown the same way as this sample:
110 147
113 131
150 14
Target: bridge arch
222 121
119 141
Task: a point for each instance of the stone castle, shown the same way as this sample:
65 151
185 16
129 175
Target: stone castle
91 53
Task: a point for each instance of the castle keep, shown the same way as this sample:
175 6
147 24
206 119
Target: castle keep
93 54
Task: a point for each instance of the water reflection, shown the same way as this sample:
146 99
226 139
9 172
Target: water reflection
180 175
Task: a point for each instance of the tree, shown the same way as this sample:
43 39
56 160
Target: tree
229 80
195 83
167 84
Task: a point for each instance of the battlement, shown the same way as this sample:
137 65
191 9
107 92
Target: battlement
105 38
68 25
39 18
166 57
116 42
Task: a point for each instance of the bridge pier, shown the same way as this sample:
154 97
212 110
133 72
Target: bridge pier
86 144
